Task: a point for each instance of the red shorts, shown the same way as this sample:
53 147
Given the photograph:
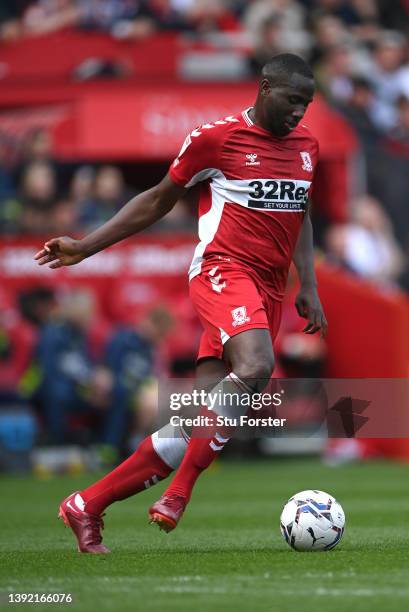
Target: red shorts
228 303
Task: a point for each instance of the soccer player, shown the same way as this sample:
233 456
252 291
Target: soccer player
255 171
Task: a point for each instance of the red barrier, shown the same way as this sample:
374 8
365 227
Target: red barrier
156 268
55 56
368 327
128 121
368 338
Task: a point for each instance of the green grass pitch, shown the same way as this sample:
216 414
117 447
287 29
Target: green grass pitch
226 554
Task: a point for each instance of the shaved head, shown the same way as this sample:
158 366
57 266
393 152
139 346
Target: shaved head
284 66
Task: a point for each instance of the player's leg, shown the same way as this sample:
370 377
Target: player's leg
251 356
154 459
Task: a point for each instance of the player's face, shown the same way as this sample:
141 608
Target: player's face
285 102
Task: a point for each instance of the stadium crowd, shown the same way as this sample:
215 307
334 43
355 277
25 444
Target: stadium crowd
54 349
305 23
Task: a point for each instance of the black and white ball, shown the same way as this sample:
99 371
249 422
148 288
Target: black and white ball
312 521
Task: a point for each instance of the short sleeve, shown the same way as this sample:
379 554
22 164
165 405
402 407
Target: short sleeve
198 158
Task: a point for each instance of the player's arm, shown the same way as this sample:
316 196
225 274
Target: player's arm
307 302
138 214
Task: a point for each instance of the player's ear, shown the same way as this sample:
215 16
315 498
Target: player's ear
265 87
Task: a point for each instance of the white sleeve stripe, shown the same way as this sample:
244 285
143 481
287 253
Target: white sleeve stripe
203 175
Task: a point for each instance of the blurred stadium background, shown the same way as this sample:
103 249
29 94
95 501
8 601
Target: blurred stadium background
96 97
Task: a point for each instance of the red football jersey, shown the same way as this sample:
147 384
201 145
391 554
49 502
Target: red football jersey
253 195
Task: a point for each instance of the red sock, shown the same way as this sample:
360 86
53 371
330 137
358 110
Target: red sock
199 455
202 451
141 470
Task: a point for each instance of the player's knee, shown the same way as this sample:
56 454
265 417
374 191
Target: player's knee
256 372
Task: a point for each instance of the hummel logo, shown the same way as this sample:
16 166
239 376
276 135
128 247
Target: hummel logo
215 280
252 159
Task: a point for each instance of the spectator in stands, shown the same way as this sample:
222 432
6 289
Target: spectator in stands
132 18
35 146
397 141
47 16
357 109
6 182
19 322
167 17
132 358
16 348
293 34
182 216
9 21
328 32
334 73
207 16
37 197
396 184
64 218
389 77
122 18
82 184
394 15
367 245
362 17
10 207
72 385
109 194
268 44
359 16
11 12
80 190
37 305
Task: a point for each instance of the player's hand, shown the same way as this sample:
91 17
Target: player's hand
59 252
309 307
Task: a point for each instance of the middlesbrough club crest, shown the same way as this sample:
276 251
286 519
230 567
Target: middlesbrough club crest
307 163
239 316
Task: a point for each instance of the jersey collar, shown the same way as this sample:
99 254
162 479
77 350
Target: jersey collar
246 117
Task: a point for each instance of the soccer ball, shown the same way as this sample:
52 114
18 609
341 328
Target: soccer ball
312 521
